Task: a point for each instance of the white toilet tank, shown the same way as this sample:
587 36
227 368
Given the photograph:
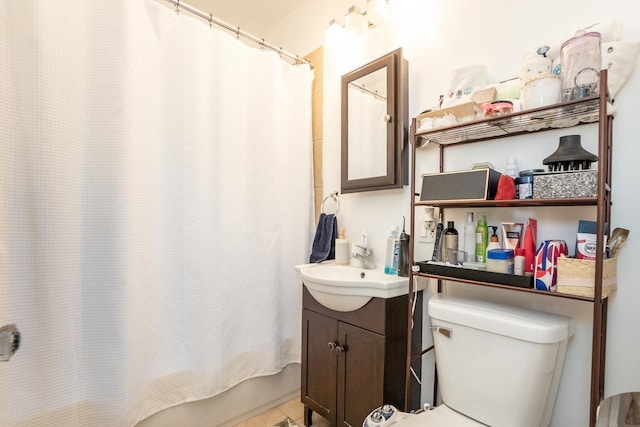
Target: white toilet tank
497 364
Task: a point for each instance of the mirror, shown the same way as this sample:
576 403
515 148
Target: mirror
374 125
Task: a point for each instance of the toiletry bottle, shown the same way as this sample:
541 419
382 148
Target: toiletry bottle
342 248
450 241
469 239
482 238
512 168
518 262
403 255
437 245
393 250
494 242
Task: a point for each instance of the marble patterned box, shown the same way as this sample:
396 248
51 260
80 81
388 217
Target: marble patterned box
571 184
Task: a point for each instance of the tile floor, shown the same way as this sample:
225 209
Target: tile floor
293 409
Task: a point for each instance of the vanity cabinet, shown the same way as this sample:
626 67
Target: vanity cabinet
354 362
565 115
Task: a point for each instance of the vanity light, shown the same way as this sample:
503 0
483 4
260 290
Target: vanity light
377 11
355 21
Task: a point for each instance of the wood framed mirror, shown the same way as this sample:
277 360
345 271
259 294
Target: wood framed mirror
375 125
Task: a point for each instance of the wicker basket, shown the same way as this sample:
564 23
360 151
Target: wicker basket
576 276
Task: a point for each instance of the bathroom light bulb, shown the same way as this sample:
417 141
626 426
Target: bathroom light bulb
377 11
354 21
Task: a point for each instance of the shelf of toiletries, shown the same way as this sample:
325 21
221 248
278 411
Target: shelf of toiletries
557 116
501 286
575 201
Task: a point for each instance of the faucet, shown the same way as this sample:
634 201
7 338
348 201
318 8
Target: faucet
365 255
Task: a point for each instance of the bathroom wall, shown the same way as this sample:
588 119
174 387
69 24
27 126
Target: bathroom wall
437 37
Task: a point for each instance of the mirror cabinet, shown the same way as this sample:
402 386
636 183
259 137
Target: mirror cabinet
374 153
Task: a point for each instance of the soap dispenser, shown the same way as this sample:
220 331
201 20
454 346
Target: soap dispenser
493 240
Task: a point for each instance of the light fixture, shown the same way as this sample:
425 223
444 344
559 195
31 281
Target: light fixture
355 21
377 11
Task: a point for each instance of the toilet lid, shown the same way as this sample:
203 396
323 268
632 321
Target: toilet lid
442 416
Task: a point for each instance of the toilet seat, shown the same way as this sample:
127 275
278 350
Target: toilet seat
441 416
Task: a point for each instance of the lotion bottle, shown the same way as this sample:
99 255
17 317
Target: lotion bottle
494 243
342 248
393 250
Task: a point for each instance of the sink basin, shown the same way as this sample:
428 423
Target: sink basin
346 288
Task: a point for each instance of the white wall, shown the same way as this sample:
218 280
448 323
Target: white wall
439 36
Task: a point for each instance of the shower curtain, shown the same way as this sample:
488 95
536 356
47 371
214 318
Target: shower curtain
155 194
367 123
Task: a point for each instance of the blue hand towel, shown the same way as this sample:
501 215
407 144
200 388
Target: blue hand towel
324 243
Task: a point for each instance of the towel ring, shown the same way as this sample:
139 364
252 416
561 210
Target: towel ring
333 196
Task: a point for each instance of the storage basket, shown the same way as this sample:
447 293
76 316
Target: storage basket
577 276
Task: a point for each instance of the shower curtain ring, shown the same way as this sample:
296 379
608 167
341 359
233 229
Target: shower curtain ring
210 20
178 7
238 34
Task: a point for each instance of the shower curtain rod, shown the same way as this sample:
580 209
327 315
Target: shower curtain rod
364 89
211 20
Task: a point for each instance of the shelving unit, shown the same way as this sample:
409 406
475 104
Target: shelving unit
564 115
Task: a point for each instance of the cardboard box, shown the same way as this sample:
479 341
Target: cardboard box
472 184
572 184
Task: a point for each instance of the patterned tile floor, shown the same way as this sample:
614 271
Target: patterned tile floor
293 409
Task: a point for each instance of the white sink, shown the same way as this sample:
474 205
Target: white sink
346 288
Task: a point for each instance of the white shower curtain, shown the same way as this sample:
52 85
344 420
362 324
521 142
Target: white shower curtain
367 123
155 194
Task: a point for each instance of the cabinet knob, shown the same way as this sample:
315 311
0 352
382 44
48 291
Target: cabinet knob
332 345
340 349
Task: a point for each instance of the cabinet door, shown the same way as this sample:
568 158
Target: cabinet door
319 363
360 374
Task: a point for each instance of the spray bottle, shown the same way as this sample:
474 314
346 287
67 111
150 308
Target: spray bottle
482 238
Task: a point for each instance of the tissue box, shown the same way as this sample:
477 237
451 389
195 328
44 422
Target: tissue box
472 184
577 276
558 185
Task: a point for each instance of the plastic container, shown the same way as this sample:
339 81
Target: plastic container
580 62
500 260
524 187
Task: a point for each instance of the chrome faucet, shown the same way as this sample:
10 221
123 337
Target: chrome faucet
365 255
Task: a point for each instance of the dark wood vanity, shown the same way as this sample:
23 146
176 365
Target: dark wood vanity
353 362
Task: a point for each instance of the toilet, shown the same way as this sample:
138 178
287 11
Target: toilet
498 365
